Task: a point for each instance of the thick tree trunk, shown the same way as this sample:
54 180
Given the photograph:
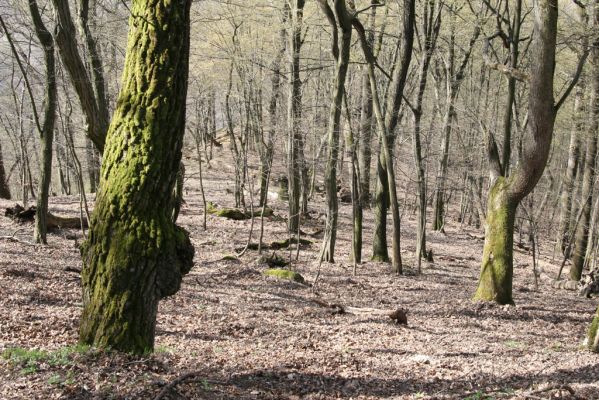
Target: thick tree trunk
135 255
495 282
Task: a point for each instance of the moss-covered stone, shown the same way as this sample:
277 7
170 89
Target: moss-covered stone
230 213
285 274
495 283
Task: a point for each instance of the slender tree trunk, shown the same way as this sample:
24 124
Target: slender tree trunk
47 132
565 217
364 141
386 132
511 89
296 174
454 81
341 22
135 255
588 179
96 116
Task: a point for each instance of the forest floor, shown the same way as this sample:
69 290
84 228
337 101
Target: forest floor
248 336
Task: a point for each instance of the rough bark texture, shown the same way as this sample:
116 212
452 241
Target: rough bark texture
47 132
495 282
135 255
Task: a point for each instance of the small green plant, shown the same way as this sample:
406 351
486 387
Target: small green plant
513 344
70 380
55 380
30 359
31 369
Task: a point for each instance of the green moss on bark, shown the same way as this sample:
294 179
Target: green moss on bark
495 283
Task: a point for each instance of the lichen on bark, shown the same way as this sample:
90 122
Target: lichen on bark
135 255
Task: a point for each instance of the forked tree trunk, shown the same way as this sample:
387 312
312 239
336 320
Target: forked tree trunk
495 283
135 254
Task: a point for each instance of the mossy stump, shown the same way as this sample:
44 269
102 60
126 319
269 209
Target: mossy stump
285 274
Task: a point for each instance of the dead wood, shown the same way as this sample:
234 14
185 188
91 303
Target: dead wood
399 316
22 215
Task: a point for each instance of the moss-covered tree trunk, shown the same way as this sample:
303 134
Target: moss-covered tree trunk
592 336
135 254
495 283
